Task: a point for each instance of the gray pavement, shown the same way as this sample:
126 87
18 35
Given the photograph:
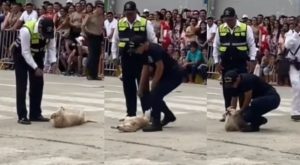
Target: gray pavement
197 137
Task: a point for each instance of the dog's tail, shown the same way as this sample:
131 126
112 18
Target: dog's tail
90 121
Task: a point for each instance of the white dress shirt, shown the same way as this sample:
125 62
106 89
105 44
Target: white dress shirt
25 40
292 43
110 26
115 39
250 42
29 17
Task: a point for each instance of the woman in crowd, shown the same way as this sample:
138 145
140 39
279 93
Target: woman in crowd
166 30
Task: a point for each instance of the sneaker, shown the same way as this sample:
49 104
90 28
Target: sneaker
24 121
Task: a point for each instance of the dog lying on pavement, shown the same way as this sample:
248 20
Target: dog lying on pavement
63 119
235 122
133 124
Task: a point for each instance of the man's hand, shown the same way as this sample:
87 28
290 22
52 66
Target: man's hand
153 85
54 68
251 66
140 93
219 68
39 72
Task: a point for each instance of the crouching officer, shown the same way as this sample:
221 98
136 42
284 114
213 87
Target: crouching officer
167 75
234 46
29 52
129 26
259 96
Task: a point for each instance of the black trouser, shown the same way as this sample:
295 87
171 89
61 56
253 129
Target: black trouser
131 73
260 106
94 46
226 92
36 85
165 86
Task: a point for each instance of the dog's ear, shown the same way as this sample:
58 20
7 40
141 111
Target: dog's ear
53 116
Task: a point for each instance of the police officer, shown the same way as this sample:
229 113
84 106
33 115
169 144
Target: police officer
292 43
233 46
29 52
259 97
131 25
167 75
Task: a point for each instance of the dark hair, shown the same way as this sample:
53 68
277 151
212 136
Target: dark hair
210 18
203 10
171 22
194 44
160 15
109 13
181 23
89 4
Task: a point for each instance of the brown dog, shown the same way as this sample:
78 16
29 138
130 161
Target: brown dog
235 122
62 119
133 124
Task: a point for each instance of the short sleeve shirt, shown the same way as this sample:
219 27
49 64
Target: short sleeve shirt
251 82
157 53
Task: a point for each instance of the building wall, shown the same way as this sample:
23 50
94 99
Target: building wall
254 7
154 5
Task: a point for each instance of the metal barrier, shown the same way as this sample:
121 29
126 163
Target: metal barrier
6 40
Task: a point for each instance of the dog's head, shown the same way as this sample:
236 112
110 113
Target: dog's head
57 114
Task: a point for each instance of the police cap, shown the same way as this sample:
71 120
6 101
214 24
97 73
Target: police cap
130 6
229 12
136 41
230 77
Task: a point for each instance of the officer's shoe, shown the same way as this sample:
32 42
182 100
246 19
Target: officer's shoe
167 119
295 117
223 118
154 127
24 121
39 119
263 120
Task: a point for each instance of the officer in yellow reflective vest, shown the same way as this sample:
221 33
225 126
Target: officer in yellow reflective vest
29 52
234 47
131 25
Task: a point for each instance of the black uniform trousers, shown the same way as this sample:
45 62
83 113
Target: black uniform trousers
260 106
131 74
226 92
94 46
164 87
36 85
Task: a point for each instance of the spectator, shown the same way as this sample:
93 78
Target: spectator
264 35
178 28
255 29
267 65
157 23
202 35
110 24
190 34
166 30
193 60
211 33
12 18
28 15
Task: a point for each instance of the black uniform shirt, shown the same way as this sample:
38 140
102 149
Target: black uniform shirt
156 53
254 83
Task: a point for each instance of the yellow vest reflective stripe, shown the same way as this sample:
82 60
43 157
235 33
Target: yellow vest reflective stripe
35 37
240 31
123 25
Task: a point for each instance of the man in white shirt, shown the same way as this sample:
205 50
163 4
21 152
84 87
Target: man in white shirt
129 26
292 43
28 15
36 37
211 33
110 24
234 47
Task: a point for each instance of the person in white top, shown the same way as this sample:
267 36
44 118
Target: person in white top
28 15
36 38
292 43
110 24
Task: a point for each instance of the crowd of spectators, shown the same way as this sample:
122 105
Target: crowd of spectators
187 36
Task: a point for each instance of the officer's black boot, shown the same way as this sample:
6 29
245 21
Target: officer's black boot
167 119
155 126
